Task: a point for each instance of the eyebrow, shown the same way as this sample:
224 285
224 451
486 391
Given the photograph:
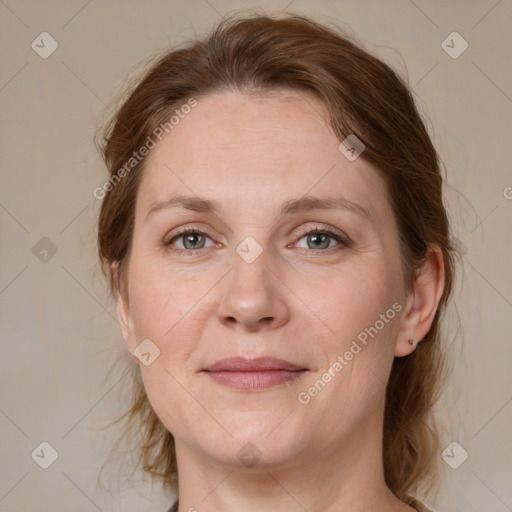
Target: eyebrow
290 207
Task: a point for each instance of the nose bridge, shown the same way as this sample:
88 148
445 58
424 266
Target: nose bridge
252 295
249 279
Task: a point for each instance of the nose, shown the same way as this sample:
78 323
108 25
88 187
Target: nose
254 296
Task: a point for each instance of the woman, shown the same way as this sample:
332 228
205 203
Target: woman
275 238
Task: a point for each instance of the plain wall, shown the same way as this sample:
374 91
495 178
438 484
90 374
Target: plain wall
59 330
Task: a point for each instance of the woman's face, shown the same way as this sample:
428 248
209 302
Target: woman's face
249 282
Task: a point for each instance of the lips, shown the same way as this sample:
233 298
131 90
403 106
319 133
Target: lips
241 364
254 374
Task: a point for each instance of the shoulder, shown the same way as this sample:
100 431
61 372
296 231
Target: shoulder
174 508
413 502
410 501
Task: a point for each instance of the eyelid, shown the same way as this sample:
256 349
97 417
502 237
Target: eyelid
340 237
183 231
180 232
345 239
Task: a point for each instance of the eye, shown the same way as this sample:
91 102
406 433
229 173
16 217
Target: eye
320 238
191 238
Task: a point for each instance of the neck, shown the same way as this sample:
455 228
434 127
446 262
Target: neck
348 477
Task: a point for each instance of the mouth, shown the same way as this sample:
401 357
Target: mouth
254 374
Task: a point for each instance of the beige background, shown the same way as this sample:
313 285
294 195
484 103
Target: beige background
59 333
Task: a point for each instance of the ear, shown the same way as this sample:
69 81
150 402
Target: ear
123 312
422 302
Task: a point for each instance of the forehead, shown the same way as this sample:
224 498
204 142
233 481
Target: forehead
251 148
234 126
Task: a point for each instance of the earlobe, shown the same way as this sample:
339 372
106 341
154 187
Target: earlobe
125 321
423 302
124 314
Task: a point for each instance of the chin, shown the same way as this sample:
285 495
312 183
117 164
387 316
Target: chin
255 454
263 436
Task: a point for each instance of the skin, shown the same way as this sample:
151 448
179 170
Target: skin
252 153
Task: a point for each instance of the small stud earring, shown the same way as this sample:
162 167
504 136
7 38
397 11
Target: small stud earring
414 343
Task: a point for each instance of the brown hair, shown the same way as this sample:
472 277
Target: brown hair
365 97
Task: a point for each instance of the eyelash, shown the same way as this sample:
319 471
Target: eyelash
343 240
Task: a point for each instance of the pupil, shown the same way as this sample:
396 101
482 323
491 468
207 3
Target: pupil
190 239
317 237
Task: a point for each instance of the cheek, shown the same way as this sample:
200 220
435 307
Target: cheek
351 302
171 308
358 309
161 306
160 298
358 353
